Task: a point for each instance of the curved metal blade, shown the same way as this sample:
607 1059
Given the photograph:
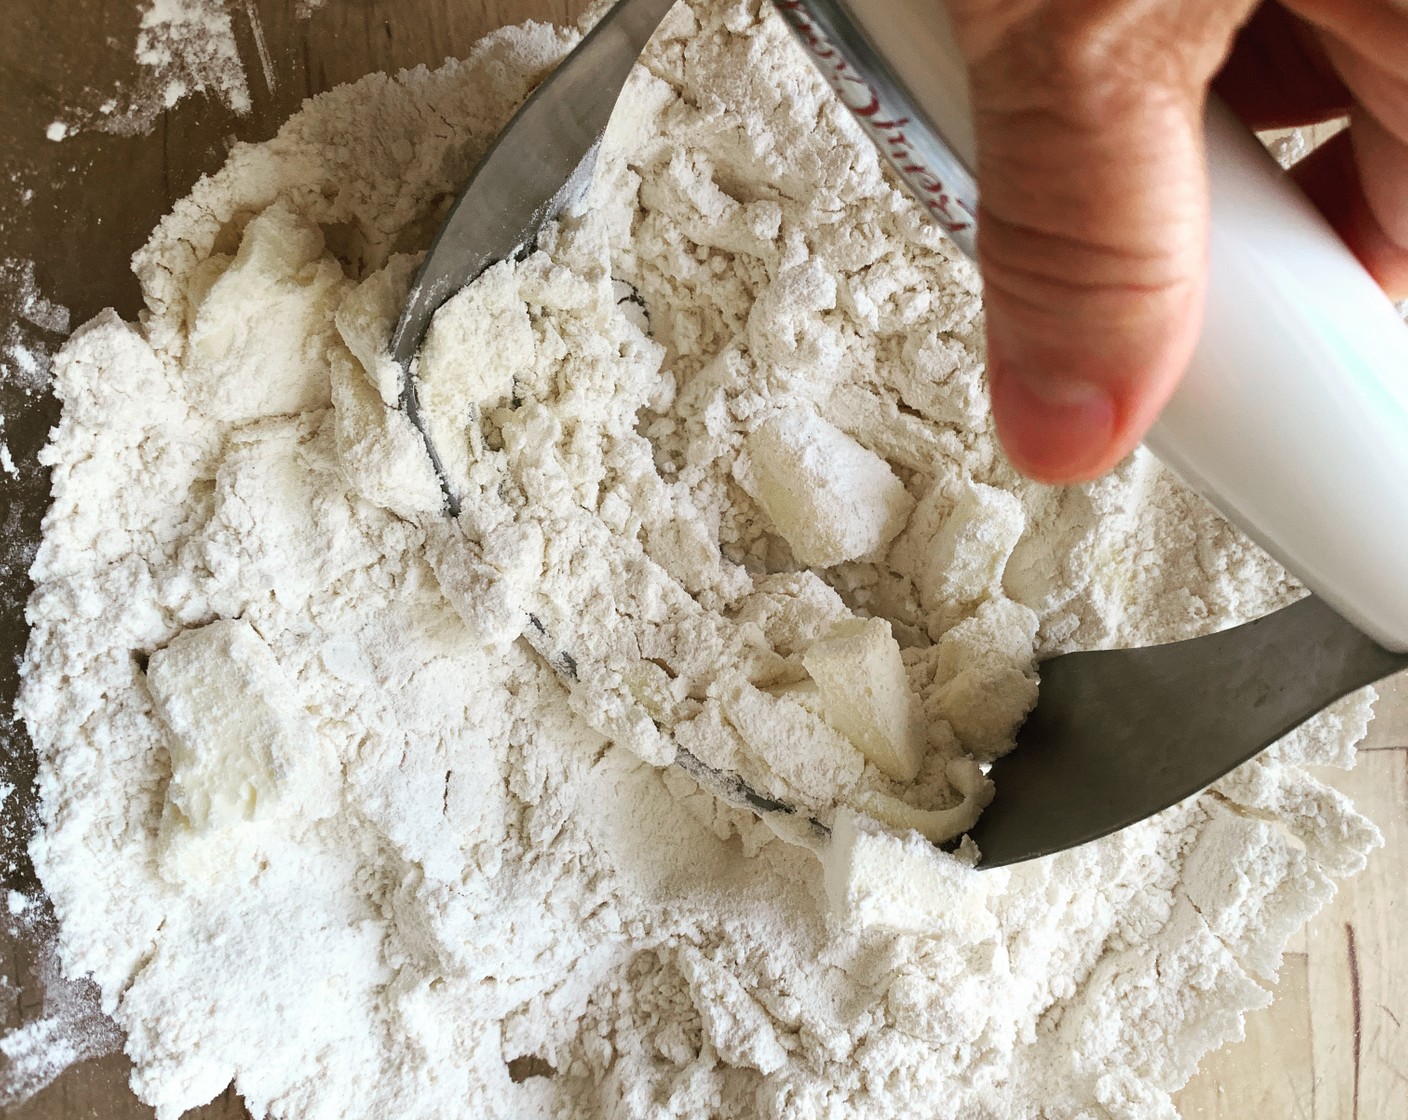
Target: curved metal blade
539 166
1119 735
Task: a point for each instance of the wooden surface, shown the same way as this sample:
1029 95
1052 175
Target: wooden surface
1332 1047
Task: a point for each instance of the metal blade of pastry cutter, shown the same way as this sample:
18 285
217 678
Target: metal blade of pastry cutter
1118 735
538 167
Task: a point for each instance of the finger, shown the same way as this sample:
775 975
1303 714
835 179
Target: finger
1330 176
1279 74
1379 128
1092 245
1359 181
1093 223
1376 29
1381 159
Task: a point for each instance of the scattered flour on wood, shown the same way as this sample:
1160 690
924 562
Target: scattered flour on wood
68 1025
183 48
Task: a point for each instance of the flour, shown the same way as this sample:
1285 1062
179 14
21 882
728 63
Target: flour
372 812
182 48
69 1027
189 46
29 338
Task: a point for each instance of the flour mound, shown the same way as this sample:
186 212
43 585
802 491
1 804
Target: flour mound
372 812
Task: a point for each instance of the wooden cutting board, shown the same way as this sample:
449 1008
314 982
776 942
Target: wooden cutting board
1333 1046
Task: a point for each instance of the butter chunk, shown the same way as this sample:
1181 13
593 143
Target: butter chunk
904 884
240 366
938 826
475 351
818 765
831 499
964 561
865 694
243 747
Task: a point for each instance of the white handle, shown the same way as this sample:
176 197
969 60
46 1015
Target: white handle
1293 418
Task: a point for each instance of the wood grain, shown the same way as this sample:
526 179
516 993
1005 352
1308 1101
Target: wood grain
1332 1047
1334 1044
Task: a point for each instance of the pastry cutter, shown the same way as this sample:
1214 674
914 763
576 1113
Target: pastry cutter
1292 420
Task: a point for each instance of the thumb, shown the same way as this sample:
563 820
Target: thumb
1094 211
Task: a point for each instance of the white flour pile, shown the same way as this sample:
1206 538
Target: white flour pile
371 812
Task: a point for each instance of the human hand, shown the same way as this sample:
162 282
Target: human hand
1094 201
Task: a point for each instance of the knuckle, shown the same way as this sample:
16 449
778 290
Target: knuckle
1064 258
1092 58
